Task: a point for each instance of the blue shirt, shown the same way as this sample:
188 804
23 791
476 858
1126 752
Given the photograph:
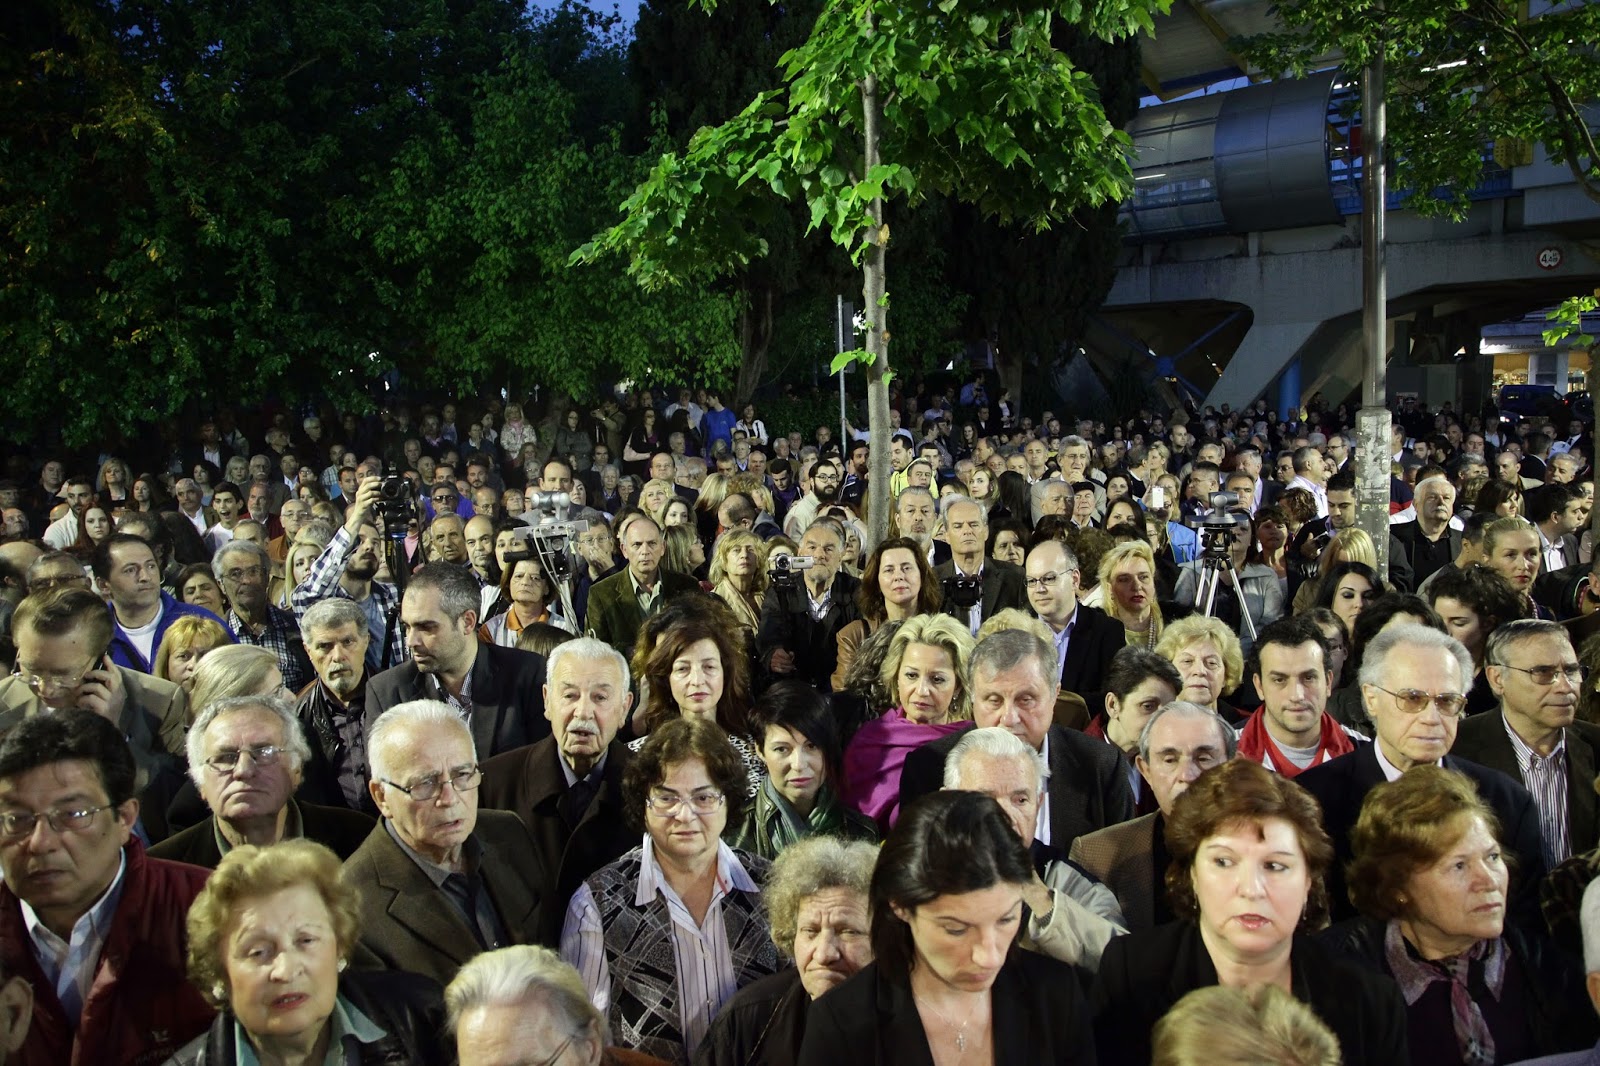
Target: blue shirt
351 1029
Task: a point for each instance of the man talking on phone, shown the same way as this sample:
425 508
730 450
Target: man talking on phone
62 637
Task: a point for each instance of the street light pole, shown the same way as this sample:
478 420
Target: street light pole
1372 423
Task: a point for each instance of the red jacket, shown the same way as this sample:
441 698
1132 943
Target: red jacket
141 1008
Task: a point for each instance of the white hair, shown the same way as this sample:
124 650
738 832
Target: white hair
1375 661
586 649
403 716
532 978
996 742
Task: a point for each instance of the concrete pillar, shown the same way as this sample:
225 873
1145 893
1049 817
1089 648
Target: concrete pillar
1289 387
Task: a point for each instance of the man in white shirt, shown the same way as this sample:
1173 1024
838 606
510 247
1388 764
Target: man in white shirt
63 532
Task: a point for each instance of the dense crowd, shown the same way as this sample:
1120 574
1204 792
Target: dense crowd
513 733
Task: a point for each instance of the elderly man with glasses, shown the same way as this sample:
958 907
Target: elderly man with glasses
246 756
440 880
1414 682
242 569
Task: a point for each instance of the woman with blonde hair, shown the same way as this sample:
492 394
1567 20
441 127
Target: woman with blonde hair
184 644
1351 545
925 674
1128 573
1208 657
236 670
655 496
1259 1026
270 939
737 576
682 552
113 483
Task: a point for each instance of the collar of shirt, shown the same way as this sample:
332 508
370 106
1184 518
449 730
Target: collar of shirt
571 775
1391 772
72 962
349 1025
293 828
462 702
471 857
1041 825
645 597
819 606
731 876
1528 758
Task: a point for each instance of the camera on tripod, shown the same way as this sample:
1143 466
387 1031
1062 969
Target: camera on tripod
550 536
395 504
785 570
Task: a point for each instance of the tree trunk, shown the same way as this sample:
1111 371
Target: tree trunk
875 307
755 337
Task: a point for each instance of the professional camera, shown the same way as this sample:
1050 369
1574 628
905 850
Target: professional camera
395 504
962 591
550 535
784 572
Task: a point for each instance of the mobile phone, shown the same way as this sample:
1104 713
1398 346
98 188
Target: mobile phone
1158 496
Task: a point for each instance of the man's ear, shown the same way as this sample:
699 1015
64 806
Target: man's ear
16 1007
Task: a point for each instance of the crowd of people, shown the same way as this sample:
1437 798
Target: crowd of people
503 733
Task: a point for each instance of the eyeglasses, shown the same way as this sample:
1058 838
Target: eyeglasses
44 584
1044 581
462 779
16 825
560 1051
704 801
39 684
1546 675
446 497
226 761
239 573
1412 701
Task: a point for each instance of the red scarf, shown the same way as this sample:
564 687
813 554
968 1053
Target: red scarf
1256 743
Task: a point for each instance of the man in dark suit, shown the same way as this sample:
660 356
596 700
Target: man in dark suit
1085 639
619 604
246 755
567 788
800 624
497 691
1180 742
966 525
1415 707
1560 513
439 881
1534 736
1011 675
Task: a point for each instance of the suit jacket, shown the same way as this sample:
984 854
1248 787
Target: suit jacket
614 614
1123 857
1088 782
529 783
1096 637
786 622
1341 784
1002 588
1039 1016
406 924
1482 738
342 831
1143 974
507 697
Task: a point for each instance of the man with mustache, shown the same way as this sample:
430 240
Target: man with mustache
567 788
336 639
1534 736
347 569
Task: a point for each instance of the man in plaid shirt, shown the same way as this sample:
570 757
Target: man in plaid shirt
347 568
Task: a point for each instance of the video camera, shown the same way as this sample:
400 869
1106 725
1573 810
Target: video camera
1217 527
963 591
396 505
784 573
550 535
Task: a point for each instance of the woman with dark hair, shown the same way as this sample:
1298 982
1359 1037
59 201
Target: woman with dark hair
1248 856
1430 879
532 598
897 583
575 440
1346 590
794 725
197 584
947 983
1269 535
1008 539
1015 499
1499 498
644 437
1473 602
681 895
696 668
148 495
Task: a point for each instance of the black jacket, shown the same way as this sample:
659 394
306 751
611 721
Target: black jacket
764 1022
1002 588
507 697
409 1008
319 781
1143 974
1340 785
786 622
1039 1016
1088 782
1096 637
1559 1015
341 831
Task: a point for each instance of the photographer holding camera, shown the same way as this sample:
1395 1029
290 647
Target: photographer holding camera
975 585
805 608
348 568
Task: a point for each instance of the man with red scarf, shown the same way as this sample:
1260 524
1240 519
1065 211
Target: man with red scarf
1289 731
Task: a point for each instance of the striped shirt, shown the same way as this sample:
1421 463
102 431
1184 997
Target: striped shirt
70 965
700 952
1546 777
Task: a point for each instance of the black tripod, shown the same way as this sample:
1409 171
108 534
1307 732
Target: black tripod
1216 561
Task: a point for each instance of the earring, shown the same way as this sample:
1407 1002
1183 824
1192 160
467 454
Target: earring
342 964
219 993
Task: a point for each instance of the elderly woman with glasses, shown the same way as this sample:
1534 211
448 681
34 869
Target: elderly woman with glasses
666 934
270 937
